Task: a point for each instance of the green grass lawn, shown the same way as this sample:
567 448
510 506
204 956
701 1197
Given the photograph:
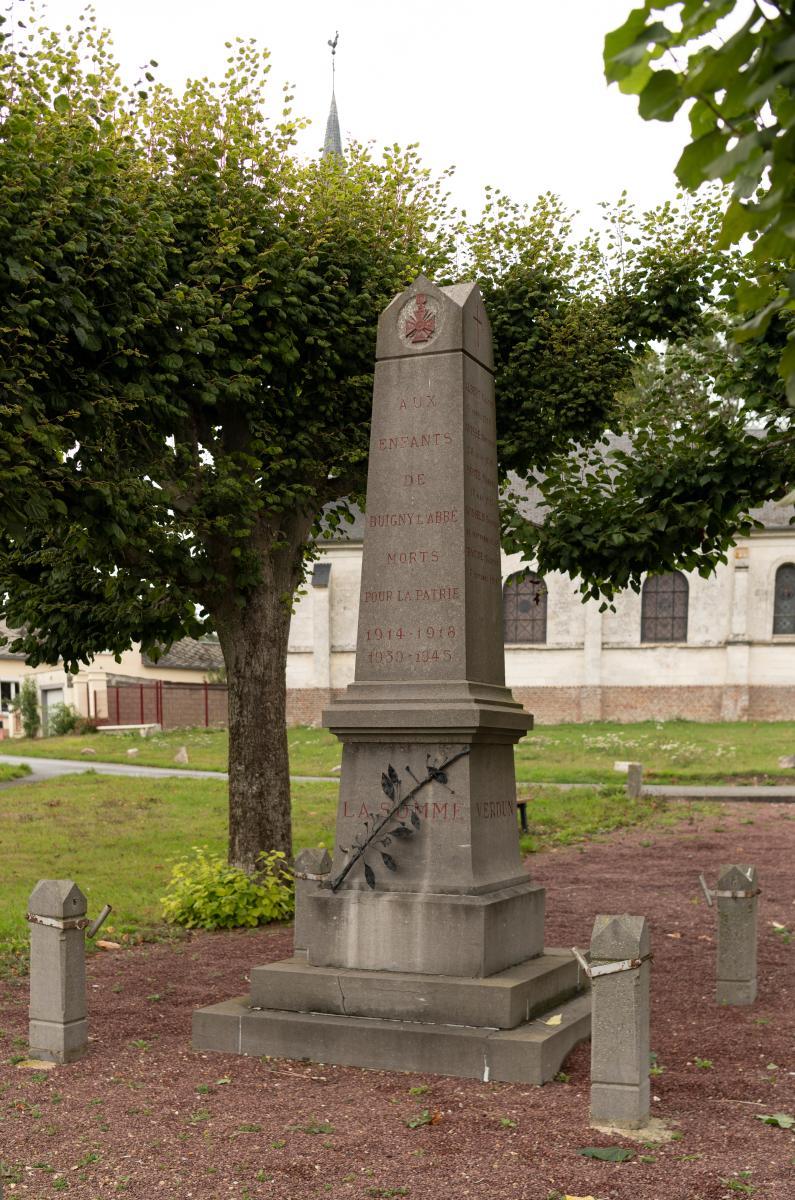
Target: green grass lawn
671 751
312 751
119 838
10 771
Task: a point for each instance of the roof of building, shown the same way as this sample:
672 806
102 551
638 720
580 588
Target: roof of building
5 652
188 654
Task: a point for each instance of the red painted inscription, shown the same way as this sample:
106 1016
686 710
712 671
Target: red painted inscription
428 594
410 558
429 810
495 808
421 324
444 516
427 401
410 441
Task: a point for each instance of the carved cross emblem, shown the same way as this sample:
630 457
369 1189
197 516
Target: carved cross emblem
421 324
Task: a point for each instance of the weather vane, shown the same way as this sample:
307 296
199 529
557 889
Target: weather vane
333 45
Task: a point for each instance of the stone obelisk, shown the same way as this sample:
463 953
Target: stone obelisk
422 947
451 895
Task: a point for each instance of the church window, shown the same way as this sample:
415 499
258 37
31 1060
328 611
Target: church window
784 603
524 609
663 612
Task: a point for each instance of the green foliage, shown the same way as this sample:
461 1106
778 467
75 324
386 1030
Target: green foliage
607 1153
571 318
207 893
187 333
646 457
26 703
62 719
215 368
424 1117
738 84
780 1120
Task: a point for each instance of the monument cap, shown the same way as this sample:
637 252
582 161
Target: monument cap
426 319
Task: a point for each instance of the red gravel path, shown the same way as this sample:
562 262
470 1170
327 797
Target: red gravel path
144 1116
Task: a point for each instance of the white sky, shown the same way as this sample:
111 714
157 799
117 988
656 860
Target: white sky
510 91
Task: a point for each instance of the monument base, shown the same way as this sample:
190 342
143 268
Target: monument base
430 933
58 1041
494 1028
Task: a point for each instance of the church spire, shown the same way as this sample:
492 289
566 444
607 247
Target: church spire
333 140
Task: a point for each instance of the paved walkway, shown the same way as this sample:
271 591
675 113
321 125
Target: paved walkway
51 768
779 794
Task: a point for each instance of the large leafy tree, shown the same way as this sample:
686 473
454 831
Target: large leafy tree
649 447
731 64
187 328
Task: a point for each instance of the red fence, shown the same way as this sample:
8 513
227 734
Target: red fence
170 705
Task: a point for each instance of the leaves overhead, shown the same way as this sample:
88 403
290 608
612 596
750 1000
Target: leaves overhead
732 66
187 338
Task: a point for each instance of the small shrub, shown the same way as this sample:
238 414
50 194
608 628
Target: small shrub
26 703
207 893
62 719
85 725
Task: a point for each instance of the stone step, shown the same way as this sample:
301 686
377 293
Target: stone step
531 1053
501 1001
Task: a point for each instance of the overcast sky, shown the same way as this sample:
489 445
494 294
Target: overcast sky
509 91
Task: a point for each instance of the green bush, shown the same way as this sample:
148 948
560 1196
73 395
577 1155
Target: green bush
85 725
62 719
205 892
26 703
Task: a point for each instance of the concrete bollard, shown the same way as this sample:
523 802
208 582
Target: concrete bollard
634 774
619 970
634 780
310 868
58 1025
736 895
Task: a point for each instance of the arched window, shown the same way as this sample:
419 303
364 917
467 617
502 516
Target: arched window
524 609
784 603
663 610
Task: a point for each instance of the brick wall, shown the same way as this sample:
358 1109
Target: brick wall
554 705
305 705
190 704
173 705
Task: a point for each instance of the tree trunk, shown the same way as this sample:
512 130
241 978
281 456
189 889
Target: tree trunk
253 638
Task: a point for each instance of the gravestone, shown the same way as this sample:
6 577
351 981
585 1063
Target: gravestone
424 947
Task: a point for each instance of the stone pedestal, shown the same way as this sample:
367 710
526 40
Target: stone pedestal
426 883
620 1041
58 1025
736 896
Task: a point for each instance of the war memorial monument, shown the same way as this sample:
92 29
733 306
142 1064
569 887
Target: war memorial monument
424 942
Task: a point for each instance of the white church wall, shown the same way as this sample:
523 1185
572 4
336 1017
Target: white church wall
301 626
770 551
663 665
544 666
622 626
594 666
346 574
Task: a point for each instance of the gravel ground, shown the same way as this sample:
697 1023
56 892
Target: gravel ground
144 1116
